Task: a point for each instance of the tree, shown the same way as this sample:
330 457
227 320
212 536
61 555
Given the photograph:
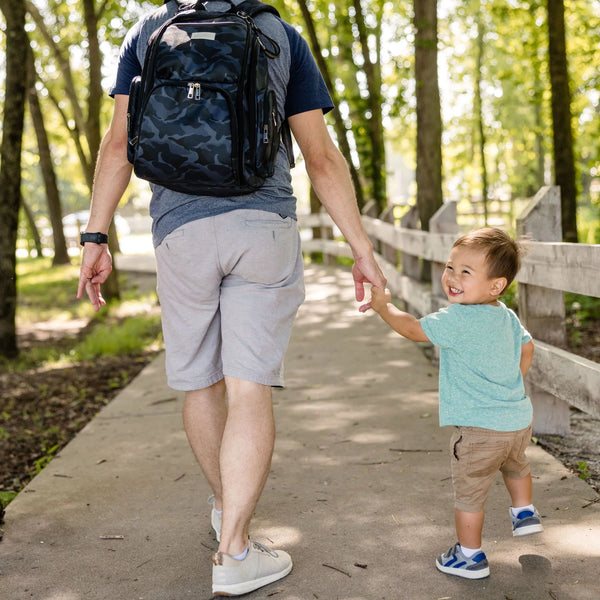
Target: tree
10 169
348 43
429 120
82 119
479 112
61 256
564 162
338 121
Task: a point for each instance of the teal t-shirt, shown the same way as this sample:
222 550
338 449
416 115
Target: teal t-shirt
480 379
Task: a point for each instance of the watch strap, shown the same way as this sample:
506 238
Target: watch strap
95 238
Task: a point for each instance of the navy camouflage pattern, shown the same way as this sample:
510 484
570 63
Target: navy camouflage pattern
202 119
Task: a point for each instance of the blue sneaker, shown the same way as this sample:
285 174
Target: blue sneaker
454 562
526 522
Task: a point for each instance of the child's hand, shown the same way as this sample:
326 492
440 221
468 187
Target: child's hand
379 300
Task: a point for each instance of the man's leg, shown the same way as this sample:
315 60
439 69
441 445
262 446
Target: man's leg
234 446
246 452
204 417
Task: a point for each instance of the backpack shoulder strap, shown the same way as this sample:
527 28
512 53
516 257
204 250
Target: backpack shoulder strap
255 7
189 5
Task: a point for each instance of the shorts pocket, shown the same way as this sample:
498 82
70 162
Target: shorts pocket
271 250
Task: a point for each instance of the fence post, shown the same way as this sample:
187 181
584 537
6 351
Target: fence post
542 310
443 221
411 265
389 253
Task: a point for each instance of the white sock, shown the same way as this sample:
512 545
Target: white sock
243 555
469 552
516 511
219 512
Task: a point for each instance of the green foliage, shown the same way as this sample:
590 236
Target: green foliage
6 497
132 335
582 312
588 223
515 91
47 293
584 470
48 455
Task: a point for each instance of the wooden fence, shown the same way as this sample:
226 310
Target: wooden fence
558 379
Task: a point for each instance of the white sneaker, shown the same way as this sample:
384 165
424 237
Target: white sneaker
216 518
261 566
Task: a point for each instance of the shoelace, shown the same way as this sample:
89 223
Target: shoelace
265 549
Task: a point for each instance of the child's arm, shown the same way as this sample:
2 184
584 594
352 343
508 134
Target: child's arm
526 357
403 323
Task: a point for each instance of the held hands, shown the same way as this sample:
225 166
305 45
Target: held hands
379 300
366 270
96 265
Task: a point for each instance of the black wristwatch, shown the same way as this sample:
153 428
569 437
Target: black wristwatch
95 238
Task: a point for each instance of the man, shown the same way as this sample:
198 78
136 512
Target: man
230 280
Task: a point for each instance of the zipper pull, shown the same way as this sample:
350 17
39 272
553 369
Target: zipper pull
265 137
198 89
190 87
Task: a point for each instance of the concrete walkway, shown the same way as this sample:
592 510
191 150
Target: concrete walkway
359 492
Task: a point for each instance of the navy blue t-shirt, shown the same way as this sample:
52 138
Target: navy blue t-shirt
299 88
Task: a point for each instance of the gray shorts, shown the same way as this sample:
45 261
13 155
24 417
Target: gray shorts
229 288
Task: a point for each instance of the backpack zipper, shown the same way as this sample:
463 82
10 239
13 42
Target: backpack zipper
194 91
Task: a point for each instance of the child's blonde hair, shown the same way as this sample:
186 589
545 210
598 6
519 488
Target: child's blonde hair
502 253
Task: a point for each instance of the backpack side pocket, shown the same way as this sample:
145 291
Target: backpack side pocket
133 110
268 144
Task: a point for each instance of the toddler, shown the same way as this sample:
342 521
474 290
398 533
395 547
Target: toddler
484 354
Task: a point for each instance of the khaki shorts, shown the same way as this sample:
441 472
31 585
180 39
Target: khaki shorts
229 288
477 455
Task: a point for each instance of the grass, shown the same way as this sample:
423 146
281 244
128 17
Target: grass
48 294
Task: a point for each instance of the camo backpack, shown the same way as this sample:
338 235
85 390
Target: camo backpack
202 118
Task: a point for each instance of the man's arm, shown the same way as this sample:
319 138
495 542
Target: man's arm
526 357
113 172
332 183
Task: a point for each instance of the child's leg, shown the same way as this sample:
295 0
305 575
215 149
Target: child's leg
469 526
520 490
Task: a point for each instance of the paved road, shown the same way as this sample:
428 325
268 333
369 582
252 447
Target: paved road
359 491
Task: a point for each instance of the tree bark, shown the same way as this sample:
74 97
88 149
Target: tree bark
564 162
61 256
338 121
479 117
429 120
372 72
35 234
10 168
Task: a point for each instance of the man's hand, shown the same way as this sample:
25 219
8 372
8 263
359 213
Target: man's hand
96 265
366 270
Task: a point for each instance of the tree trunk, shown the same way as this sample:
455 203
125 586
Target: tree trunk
35 234
479 117
429 120
375 102
61 256
338 121
564 163
10 168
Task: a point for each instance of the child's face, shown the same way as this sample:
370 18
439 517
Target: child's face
465 279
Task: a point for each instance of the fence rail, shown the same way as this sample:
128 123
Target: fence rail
557 379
